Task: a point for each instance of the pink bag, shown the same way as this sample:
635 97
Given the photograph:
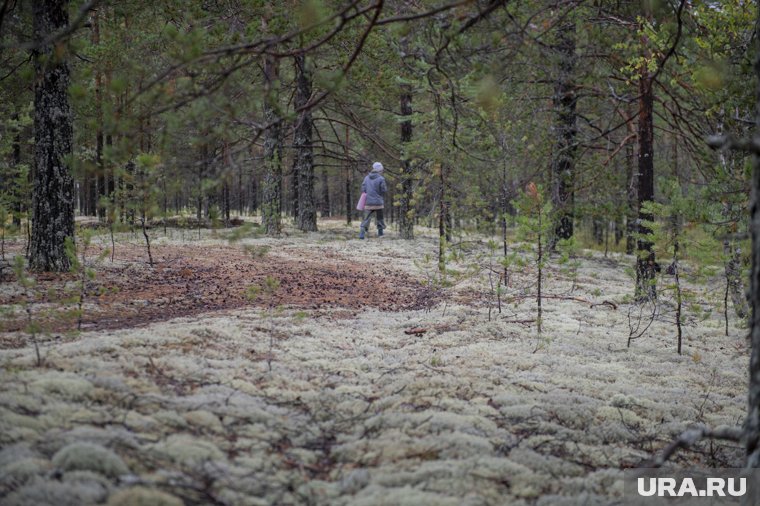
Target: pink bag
362 202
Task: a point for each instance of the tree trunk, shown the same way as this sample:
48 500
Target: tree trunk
752 425
406 208
645 263
597 230
444 221
632 194
254 197
105 187
200 175
12 186
304 156
226 203
92 183
733 270
110 181
271 205
53 195
325 194
563 162
241 191
349 182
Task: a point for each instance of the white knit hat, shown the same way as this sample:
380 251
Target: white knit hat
377 167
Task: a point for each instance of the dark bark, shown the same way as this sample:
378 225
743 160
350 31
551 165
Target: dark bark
597 229
645 263
304 155
349 181
325 194
444 221
226 203
632 193
504 204
254 196
101 172
92 187
109 180
11 186
752 426
240 192
271 205
406 209
127 188
618 230
53 194
201 174
565 130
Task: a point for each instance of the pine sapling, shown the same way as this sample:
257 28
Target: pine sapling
267 293
27 283
79 266
535 225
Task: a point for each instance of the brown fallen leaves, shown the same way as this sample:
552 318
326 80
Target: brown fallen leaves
192 279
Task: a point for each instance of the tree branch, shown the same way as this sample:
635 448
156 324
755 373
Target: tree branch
690 437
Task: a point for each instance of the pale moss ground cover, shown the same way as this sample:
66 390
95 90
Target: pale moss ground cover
355 411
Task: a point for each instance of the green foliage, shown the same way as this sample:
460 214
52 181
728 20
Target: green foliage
264 292
533 221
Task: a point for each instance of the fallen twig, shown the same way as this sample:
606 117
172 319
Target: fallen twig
690 437
605 303
565 297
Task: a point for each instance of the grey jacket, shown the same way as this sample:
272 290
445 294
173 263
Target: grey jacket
374 187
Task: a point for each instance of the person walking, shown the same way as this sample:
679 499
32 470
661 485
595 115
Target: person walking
375 188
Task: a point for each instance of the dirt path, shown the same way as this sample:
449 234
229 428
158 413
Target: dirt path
192 279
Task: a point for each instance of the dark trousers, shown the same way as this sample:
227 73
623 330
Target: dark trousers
378 217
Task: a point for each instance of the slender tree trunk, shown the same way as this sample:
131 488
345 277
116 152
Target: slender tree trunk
240 190
304 156
105 184
632 194
752 425
733 270
325 194
406 209
92 186
110 182
503 197
444 221
271 205
645 264
11 186
294 196
199 176
254 197
53 195
226 203
597 229
563 163
349 182
679 297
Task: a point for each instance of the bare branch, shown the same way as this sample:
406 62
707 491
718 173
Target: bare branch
723 142
692 436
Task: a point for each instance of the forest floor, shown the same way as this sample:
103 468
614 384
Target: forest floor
352 380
